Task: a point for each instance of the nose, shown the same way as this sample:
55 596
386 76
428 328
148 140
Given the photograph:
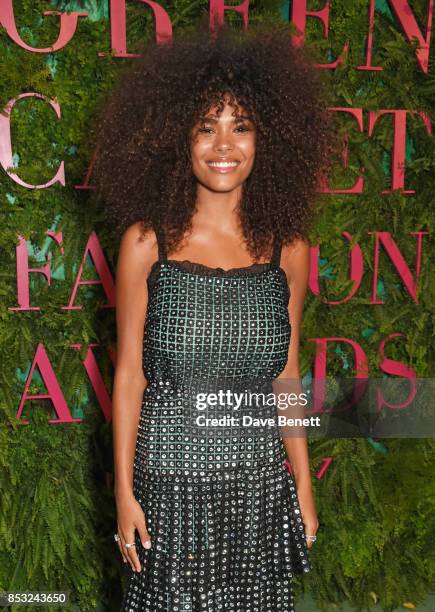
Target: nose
223 143
223 147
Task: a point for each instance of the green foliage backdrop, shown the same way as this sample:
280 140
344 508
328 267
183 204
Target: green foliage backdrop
376 500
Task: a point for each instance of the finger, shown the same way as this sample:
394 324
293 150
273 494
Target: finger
121 551
125 551
309 532
130 552
120 546
134 558
145 537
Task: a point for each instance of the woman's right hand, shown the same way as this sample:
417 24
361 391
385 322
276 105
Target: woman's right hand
131 517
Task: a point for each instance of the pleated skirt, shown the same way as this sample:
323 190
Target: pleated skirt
225 540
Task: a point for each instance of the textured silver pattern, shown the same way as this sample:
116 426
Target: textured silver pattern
221 508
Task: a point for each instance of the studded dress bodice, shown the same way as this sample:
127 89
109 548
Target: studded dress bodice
214 324
220 505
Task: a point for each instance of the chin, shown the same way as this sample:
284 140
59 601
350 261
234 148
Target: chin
222 188
219 186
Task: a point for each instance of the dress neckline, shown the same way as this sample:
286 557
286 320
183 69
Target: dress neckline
188 264
191 267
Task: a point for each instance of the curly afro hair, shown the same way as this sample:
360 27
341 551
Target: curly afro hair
142 168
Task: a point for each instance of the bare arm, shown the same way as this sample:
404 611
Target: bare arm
134 262
295 262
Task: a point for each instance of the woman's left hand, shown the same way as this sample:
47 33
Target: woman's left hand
309 514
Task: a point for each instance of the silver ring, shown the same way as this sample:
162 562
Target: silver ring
116 537
129 545
313 538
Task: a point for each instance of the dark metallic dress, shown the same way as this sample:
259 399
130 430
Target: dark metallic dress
221 507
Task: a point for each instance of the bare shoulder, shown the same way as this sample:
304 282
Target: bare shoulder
138 248
295 260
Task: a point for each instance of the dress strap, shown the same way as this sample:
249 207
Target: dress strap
276 254
160 241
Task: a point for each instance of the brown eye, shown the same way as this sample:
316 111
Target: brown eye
205 129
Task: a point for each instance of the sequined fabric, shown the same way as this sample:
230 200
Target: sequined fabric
220 506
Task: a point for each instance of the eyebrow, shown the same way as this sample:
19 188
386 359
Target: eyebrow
214 119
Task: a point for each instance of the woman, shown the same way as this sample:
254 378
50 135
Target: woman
210 155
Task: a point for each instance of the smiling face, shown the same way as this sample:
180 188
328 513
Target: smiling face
223 149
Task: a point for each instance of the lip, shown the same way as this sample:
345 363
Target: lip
224 169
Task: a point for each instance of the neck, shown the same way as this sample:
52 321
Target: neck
217 209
